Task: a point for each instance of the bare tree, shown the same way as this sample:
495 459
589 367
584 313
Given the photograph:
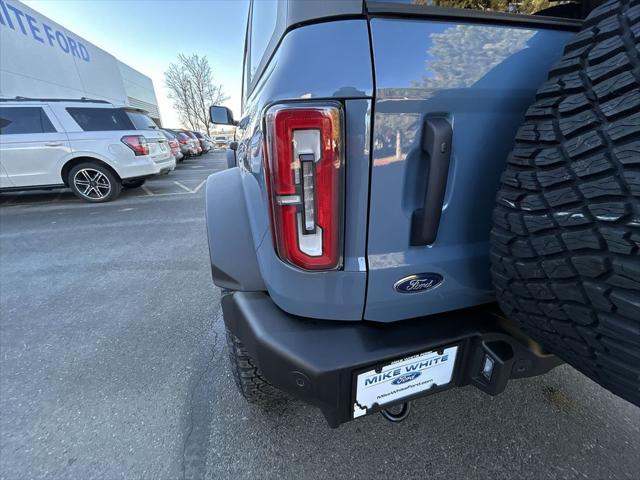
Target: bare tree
191 87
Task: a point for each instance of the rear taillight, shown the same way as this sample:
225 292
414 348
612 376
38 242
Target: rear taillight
183 141
305 169
137 143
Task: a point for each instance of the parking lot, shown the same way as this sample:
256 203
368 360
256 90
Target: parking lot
112 365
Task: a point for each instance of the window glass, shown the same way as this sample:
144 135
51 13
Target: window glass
100 119
263 24
529 7
142 121
22 120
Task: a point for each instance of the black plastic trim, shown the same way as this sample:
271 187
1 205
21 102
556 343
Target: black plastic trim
49 100
33 187
495 18
437 135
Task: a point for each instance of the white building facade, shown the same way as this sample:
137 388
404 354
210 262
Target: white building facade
40 58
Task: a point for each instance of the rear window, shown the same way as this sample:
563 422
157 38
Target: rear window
168 135
264 18
100 119
142 121
23 120
526 7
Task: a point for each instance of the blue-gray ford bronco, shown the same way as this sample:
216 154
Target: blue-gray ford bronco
428 194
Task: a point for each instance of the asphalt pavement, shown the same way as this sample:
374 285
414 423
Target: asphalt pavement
112 365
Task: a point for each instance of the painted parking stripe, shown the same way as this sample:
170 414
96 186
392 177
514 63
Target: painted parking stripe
195 190
147 191
182 186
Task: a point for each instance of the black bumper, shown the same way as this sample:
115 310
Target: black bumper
315 360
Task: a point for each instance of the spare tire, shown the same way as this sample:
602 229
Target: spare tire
565 242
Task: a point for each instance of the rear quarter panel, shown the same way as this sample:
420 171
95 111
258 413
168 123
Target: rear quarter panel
323 61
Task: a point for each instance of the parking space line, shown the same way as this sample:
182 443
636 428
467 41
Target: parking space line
182 186
195 190
147 191
199 186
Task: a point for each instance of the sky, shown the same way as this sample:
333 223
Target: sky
149 34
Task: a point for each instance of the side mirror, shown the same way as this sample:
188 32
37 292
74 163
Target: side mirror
221 115
233 146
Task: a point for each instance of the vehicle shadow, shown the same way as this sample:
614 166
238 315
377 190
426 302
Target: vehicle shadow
556 426
36 197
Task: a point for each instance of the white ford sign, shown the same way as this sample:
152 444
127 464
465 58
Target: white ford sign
41 58
13 17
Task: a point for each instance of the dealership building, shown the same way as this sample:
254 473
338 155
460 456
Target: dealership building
41 59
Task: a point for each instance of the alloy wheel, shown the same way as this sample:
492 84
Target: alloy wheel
92 183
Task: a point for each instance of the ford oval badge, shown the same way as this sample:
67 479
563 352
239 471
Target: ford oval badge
407 377
418 283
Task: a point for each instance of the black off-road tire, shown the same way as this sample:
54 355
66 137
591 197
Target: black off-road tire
249 380
565 243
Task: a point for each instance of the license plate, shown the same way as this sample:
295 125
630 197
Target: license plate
403 378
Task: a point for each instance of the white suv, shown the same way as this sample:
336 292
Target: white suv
90 146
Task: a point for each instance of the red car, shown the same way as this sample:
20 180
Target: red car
196 142
172 140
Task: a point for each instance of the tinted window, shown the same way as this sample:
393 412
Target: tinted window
101 119
263 24
17 120
168 135
142 121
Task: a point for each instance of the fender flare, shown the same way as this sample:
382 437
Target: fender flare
234 264
231 158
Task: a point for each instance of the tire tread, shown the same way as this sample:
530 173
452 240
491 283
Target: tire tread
565 240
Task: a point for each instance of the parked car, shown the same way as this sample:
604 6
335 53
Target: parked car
358 279
187 144
220 141
90 146
173 144
205 143
194 140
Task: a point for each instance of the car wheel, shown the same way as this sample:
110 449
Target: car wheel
93 182
565 243
248 377
133 183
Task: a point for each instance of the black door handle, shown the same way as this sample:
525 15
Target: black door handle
436 147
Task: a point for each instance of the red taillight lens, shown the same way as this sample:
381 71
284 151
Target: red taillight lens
137 143
183 141
305 169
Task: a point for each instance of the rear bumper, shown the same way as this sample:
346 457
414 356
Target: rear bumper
145 167
316 360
